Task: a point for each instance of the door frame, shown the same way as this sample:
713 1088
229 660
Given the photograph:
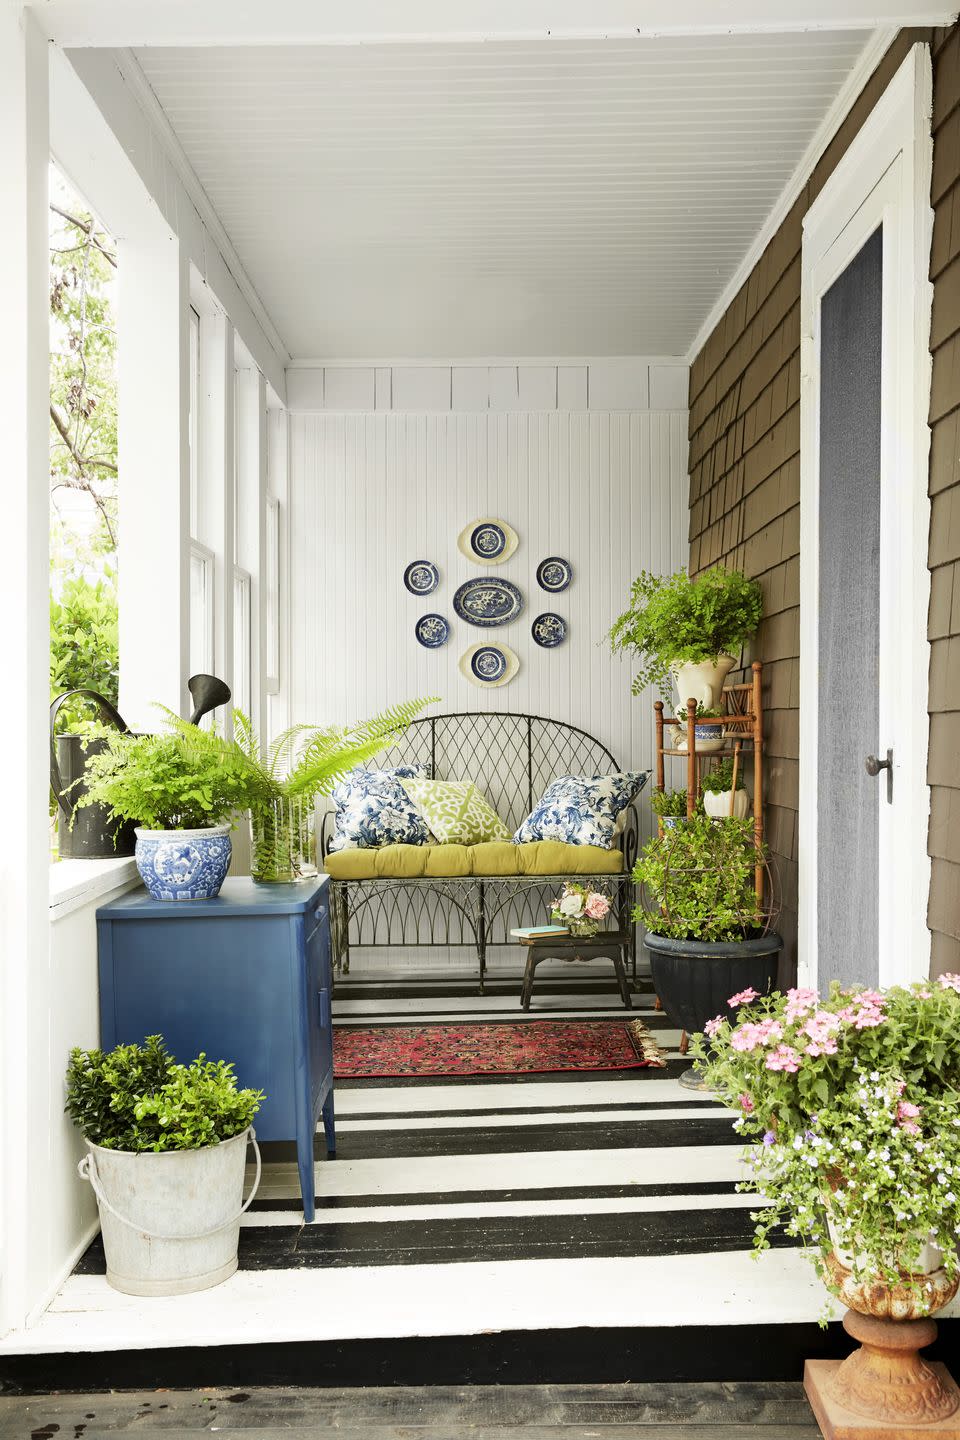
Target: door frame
883 178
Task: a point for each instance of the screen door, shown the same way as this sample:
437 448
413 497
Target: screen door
848 798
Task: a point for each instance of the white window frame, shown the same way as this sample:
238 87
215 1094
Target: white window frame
243 640
271 594
193 323
884 178
207 561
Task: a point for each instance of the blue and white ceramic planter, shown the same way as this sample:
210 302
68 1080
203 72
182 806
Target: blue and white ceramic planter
184 864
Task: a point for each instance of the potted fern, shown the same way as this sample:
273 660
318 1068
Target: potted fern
287 775
690 628
180 786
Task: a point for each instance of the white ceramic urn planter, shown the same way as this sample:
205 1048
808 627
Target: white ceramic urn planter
701 680
716 803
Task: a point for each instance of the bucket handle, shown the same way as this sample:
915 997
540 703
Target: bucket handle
87 1170
108 711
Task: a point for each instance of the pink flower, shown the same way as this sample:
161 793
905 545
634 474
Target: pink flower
746 1104
713 1026
819 1029
749 1035
743 997
821 1047
597 906
783 1058
800 1001
868 1018
949 982
907 1117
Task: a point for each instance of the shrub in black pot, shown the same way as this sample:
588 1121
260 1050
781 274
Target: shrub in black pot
708 933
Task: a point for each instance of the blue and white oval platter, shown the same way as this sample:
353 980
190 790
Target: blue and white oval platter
488 601
421 577
432 631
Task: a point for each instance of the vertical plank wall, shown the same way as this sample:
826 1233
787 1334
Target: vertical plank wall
371 492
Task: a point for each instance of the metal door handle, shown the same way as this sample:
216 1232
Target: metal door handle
874 766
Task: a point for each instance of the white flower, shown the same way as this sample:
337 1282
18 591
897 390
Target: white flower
950 1198
856 1145
571 905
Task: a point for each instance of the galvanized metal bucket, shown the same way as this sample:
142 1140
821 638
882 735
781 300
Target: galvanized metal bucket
170 1220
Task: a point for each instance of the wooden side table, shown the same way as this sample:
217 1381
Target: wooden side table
604 946
245 978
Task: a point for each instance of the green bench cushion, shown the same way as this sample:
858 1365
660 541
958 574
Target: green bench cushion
494 858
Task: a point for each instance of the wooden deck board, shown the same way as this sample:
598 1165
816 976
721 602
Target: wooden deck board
756 1411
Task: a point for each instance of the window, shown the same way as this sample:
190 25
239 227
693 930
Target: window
242 641
201 609
194 424
271 594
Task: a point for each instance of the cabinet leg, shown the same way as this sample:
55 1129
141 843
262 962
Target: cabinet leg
328 1129
305 1167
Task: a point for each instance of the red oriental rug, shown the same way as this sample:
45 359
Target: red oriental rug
516 1047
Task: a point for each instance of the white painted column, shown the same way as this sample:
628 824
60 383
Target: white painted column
154 451
24 583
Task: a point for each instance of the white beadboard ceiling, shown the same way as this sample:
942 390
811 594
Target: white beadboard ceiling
542 197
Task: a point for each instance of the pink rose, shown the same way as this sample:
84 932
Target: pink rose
743 997
597 906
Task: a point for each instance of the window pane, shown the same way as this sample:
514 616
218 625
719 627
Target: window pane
201 611
271 594
193 428
242 628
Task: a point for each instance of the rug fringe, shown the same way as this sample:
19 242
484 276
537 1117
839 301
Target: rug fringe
645 1045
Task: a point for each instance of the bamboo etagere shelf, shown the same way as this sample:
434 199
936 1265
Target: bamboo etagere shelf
741 725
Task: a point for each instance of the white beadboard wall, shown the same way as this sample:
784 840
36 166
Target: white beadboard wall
371 492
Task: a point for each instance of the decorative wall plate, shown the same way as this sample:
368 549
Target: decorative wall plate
421 577
488 541
549 630
489 665
432 631
554 574
488 602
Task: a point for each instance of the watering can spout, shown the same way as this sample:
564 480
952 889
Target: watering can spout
207 692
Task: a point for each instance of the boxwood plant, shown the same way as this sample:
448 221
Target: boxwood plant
137 1097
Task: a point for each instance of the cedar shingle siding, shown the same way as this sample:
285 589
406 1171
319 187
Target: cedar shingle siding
745 485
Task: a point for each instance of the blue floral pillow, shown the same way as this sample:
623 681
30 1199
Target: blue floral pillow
582 811
373 809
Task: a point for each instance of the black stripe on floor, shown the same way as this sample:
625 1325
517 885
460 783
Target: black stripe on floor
641 1107
475 1197
479 1239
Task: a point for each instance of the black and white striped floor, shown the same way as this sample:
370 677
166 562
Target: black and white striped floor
467 1210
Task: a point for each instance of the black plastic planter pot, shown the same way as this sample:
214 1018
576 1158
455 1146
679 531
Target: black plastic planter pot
695 978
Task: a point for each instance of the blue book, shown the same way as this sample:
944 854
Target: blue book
535 932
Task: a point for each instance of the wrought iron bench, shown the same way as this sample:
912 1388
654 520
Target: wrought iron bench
512 758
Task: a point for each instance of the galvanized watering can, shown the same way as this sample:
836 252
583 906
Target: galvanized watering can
85 833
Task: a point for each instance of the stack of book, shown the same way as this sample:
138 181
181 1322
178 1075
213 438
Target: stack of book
540 932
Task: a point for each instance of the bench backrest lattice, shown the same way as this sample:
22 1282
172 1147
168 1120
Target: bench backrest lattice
511 758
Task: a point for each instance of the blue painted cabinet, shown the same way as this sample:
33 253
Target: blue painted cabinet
246 978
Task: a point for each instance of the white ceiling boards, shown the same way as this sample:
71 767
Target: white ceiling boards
534 197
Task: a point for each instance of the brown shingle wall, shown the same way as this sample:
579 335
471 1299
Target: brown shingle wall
943 764
745 462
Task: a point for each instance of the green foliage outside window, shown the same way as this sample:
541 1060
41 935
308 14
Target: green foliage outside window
138 1098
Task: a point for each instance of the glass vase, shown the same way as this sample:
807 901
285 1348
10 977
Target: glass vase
282 840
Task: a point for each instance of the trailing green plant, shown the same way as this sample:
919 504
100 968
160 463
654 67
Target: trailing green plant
673 619
305 761
851 1105
137 1097
183 778
698 881
669 802
720 779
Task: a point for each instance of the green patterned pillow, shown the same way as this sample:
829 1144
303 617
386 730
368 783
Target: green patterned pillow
455 811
